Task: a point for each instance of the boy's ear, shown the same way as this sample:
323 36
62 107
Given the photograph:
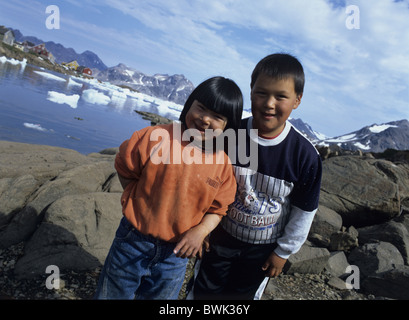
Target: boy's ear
297 101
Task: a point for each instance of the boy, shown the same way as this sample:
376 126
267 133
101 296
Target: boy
274 207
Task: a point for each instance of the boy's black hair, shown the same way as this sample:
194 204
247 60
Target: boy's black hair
281 66
221 95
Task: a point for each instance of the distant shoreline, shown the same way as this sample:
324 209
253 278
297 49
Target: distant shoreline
13 53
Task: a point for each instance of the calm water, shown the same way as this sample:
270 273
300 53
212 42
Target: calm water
28 115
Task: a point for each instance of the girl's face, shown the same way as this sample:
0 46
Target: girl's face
200 118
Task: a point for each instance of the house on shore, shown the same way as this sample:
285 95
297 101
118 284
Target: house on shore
72 65
84 70
6 36
42 51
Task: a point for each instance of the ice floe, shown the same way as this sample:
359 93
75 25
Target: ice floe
61 98
34 126
50 76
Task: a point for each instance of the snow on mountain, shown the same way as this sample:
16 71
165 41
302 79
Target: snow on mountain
373 138
175 88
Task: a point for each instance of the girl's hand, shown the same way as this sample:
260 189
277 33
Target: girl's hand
191 242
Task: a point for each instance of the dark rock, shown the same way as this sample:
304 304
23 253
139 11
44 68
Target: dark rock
392 283
307 260
359 190
391 231
374 258
76 233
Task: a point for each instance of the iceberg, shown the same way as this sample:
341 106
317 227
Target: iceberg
62 98
49 76
34 126
95 97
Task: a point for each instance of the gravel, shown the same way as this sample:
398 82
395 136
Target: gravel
81 285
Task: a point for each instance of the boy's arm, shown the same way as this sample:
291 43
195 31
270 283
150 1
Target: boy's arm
294 236
191 242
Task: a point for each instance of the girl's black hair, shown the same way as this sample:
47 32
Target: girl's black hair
280 66
221 95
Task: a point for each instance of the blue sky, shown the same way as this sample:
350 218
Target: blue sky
354 77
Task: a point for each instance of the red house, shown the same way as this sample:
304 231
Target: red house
84 70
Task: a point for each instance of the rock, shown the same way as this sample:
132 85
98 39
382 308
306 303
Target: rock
14 193
42 162
76 233
337 264
82 179
344 240
374 258
393 232
392 283
325 223
363 191
307 260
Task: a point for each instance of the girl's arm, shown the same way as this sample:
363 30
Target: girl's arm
191 242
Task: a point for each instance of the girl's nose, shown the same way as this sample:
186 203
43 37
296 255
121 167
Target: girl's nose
205 119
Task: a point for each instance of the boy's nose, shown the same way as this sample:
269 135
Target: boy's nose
271 102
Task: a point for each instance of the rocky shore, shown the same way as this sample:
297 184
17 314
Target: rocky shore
61 208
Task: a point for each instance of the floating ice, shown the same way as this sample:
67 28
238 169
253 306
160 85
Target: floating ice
62 98
95 97
34 126
72 82
23 63
49 76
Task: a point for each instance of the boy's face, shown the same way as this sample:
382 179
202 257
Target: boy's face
272 102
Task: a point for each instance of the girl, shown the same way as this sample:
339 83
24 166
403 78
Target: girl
170 206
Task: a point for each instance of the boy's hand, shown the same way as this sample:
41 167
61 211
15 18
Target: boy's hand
191 242
273 265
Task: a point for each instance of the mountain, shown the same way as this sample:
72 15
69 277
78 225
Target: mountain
174 88
62 54
373 138
306 130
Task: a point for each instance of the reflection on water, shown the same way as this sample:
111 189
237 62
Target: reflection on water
44 107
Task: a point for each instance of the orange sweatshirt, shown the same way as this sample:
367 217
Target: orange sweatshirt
174 183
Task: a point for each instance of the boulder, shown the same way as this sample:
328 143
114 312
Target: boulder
337 264
14 193
325 223
391 231
344 240
374 258
76 233
307 260
363 191
82 179
42 162
392 283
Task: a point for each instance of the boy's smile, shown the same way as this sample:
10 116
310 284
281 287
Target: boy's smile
272 101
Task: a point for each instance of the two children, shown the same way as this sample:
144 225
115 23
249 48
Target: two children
274 205
175 193
170 208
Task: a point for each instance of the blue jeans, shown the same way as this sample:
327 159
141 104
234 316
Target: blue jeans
140 267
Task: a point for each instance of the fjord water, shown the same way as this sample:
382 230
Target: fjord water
35 107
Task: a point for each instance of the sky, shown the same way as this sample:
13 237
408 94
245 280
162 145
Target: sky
355 53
